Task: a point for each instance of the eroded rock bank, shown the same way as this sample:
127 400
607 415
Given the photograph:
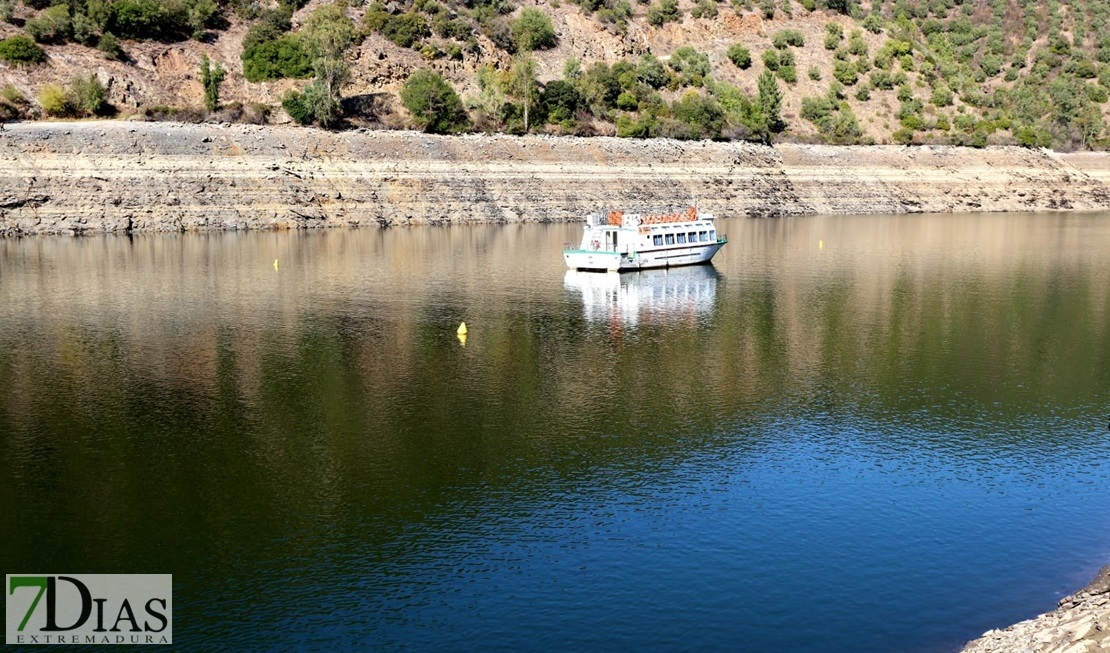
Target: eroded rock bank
90 177
1080 625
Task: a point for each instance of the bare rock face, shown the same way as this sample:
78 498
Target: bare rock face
1080 625
131 176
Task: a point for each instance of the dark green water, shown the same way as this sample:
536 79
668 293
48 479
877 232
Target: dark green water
849 434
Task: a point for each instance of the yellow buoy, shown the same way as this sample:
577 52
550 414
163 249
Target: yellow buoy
820 244
462 339
462 329
275 264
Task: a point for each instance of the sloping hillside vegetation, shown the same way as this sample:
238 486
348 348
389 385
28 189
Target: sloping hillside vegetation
975 72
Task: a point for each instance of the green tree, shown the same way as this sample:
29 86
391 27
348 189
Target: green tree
703 114
211 78
770 100
561 100
521 84
532 31
434 106
327 34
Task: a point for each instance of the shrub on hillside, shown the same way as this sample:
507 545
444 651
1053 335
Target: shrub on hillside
942 96
51 26
109 46
771 60
704 9
88 95
856 44
84 97
149 20
13 106
616 15
703 114
664 11
21 50
740 55
405 29
314 106
652 72
845 73
691 66
277 59
599 86
84 30
787 38
55 101
532 31
434 106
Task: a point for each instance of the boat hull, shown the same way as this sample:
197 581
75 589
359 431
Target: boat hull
604 261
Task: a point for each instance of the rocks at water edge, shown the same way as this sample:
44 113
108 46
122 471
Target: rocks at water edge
1080 625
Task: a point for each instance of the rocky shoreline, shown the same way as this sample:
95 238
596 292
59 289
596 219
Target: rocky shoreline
125 176
1080 625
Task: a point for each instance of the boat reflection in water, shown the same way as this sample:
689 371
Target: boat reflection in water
652 296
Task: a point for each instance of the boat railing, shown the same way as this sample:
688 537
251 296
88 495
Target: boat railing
635 218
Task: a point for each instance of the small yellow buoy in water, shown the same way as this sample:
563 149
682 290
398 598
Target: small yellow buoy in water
820 244
462 329
275 264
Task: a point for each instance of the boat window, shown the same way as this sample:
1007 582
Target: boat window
657 239
713 235
693 237
681 239
670 239
703 236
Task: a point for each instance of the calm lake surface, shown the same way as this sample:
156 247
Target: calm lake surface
882 433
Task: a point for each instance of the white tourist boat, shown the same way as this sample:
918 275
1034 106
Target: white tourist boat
618 241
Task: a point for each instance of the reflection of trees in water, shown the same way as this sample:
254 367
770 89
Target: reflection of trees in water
188 375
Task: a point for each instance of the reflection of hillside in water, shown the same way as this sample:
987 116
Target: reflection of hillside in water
342 364
676 295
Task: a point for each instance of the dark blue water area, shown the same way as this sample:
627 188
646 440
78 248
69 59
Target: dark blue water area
823 534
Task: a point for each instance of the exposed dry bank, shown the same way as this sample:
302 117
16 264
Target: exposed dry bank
89 177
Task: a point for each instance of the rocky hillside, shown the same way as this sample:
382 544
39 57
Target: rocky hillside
972 72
